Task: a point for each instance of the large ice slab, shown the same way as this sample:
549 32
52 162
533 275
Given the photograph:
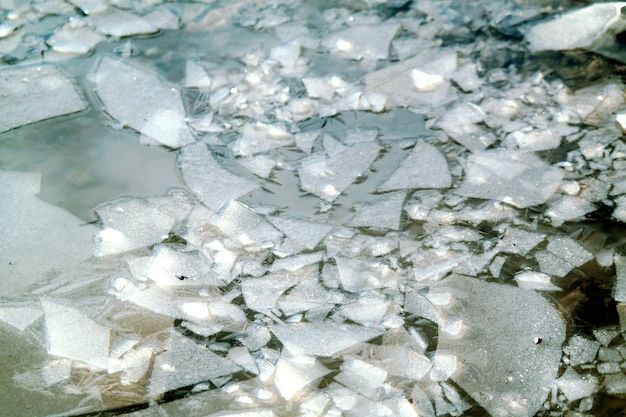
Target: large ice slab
73 335
138 98
39 240
517 178
32 93
328 177
506 341
425 167
322 339
208 180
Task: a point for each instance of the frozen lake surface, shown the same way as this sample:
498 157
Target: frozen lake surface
291 208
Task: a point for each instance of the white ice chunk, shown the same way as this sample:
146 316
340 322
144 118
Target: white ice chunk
535 281
562 255
294 374
137 97
136 365
163 18
73 335
362 377
242 357
322 339
308 234
368 312
519 241
259 412
90 6
182 362
32 93
119 23
295 263
575 386
329 177
305 140
588 27
259 165
208 180
356 274
509 351
39 240
461 123
196 76
425 167
74 40
19 316
568 208
384 213
170 267
581 350
317 87
261 294
261 137
402 361
128 224
357 43
517 178
619 290
424 81
242 224
535 140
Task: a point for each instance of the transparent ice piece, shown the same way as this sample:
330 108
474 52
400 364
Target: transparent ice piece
535 281
208 180
137 97
56 371
367 312
517 178
562 255
119 23
259 165
362 377
129 224
294 374
402 361
384 213
196 76
305 140
322 339
136 365
295 263
329 177
242 224
39 240
32 93
509 346
182 362
357 43
73 335
170 267
261 137
261 294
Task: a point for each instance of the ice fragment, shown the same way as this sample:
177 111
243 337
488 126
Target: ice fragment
19 316
536 281
575 386
582 350
362 377
294 374
356 42
119 23
383 213
242 224
307 233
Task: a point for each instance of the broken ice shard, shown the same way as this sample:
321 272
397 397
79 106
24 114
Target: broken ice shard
32 93
514 177
327 177
208 180
73 335
242 224
293 374
19 316
138 98
261 137
383 213
170 267
129 224
357 43
182 362
322 339
119 23
39 240
425 167
306 233
507 343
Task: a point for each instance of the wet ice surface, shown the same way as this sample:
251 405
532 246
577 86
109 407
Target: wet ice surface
423 222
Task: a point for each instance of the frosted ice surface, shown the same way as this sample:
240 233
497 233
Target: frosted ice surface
619 290
119 23
568 208
163 18
262 294
396 82
90 6
242 224
297 262
581 350
182 362
517 178
74 40
129 224
171 267
259 165
425 167
261 137
19 316
519 241
208 180
583 28
366 312
362 377
355 274
308 234
138 98
39 240
328 177
461 123
569 251
136 365
73 335
535 281
294 374
402 361
196 76
384 213
305 140
322 339
508 344
357 43
244 413
32 93
55 371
